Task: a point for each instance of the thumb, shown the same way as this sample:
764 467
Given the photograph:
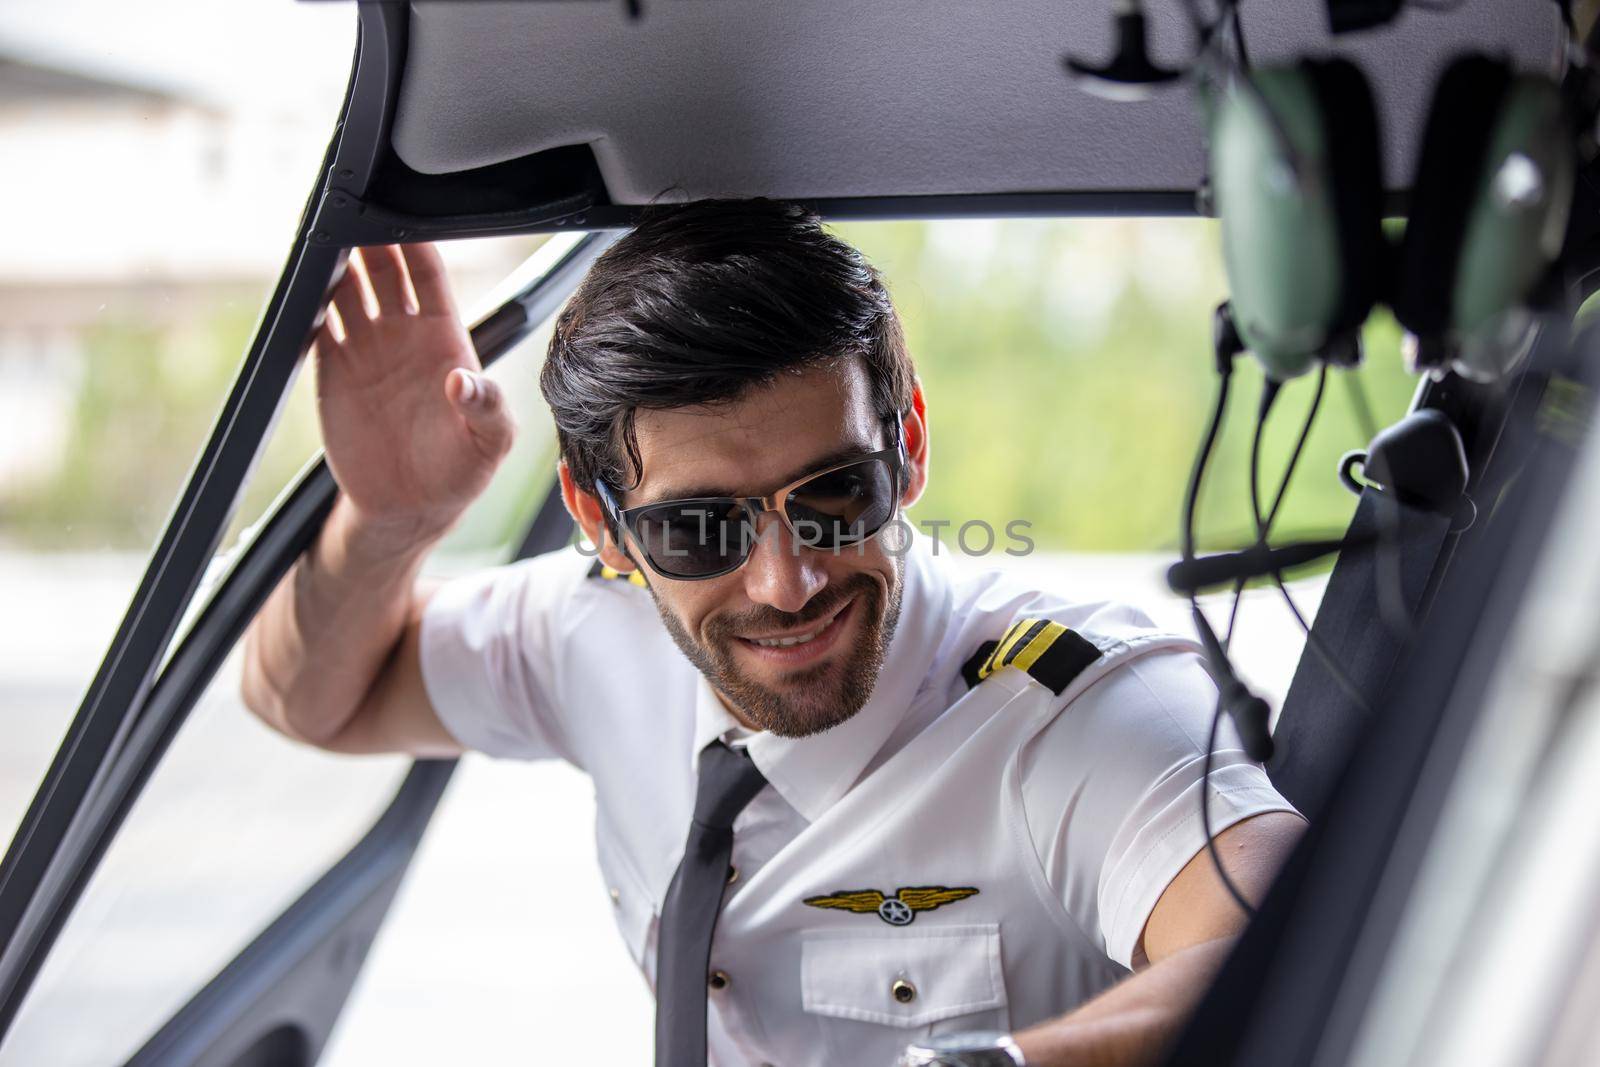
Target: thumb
479 400
473 393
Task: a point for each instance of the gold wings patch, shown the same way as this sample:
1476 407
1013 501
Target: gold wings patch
897 910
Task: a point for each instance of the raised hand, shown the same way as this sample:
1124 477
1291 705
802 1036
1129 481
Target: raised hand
412 428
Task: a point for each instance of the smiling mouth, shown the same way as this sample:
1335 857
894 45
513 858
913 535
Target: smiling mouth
784 642
802 643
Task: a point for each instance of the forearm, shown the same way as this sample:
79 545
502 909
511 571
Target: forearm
328 629
1131 1023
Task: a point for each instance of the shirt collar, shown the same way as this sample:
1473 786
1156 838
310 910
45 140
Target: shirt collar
812 773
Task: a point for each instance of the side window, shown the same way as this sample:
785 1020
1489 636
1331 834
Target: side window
121 326
236 820
234 823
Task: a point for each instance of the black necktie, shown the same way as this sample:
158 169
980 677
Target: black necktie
728 781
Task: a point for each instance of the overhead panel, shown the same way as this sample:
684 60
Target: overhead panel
844 98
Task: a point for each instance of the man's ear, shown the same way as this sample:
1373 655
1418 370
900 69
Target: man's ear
587 511
915 428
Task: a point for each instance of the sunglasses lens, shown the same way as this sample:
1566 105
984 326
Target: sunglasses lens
703 538
843 506
694 539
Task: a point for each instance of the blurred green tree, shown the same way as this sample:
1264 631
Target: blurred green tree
149 397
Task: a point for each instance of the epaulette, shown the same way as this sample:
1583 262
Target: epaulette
600 570
1052 654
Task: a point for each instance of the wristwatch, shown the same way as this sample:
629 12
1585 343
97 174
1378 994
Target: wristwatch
974 1048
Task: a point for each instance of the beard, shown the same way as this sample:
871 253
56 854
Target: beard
811 699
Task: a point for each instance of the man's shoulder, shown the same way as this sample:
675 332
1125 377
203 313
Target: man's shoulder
991 604
567 576
555 594
1072 685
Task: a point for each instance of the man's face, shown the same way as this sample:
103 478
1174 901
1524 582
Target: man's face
833 611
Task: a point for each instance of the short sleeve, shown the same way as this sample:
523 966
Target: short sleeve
491 656
1111 792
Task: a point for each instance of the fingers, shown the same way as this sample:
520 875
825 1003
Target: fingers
428 279
483 406
384 282
386 273
350 302
323 342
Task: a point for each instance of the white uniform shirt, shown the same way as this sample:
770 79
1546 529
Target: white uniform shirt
1068 815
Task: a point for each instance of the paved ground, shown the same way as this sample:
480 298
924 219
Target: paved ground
501 948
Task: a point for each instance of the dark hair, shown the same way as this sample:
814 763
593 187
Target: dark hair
698 304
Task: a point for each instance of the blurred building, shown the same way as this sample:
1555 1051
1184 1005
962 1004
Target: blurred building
128 202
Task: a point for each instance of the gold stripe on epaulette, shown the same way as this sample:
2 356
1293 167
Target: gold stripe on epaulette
1049 652
1038 646
1013 636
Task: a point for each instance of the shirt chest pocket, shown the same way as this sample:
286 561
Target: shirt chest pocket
906 980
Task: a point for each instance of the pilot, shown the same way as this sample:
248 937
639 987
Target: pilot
855 806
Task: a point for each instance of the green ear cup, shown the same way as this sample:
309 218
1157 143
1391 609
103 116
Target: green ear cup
1279 238
1514 229
1295 183
1297 189
1489 209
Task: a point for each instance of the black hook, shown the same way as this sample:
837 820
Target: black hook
1421 462
1131 74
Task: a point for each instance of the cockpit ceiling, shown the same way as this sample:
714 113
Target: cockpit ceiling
867 98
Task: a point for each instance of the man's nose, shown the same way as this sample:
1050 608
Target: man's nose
779 571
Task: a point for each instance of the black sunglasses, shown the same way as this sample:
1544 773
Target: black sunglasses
708 536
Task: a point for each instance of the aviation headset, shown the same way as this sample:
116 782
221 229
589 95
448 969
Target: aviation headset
1296 179
1297 183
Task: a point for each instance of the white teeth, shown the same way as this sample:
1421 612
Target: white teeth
785 642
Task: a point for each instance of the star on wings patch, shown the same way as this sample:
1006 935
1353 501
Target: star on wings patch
897 910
